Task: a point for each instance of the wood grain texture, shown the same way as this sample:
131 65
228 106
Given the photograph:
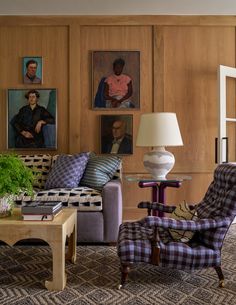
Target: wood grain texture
52 44
114 38
192 56
13 229
164 20
179 59
75 75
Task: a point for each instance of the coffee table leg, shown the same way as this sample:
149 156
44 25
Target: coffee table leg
58 257
71 254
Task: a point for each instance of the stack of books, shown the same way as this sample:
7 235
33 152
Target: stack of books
40 210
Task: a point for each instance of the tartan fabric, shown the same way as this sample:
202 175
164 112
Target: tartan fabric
134 246
219 201
216 212
67 171
156 206
134 242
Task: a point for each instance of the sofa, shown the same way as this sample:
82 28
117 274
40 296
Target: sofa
98 200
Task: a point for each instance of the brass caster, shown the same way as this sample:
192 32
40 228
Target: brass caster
221 284
120 286
73 259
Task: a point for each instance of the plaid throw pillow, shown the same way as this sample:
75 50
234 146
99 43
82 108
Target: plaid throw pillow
183 212
99 170
67 171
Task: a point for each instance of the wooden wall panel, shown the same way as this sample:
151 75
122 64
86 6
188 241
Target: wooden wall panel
115 38
52 44
179 60
191 59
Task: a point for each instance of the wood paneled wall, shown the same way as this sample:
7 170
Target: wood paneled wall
179 59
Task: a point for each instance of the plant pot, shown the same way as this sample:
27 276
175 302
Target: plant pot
5 206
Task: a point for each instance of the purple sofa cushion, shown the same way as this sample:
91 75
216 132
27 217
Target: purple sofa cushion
67 171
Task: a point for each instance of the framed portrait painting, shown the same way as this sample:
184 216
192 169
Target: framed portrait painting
116 134
32 119
32 70
116 80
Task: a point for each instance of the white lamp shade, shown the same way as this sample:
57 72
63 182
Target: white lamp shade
159 129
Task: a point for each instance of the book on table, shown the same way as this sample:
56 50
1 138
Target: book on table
41 217
41 207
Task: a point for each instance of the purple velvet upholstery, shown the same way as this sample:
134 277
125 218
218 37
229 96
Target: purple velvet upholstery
103 226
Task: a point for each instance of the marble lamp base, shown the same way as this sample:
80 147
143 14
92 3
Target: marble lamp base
158 162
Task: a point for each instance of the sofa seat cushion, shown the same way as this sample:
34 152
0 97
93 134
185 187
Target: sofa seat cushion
82 198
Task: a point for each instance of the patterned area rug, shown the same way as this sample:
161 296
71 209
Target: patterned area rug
94 279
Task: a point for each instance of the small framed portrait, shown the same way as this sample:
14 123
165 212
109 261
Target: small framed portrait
32 119
116 80
116 134
32 70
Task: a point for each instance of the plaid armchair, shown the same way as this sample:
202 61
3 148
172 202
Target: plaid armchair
150 241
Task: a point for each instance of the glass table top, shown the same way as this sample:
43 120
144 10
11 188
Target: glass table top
149 178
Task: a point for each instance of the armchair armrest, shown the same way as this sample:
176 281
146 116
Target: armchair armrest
186 225
156 206
160 206
112 209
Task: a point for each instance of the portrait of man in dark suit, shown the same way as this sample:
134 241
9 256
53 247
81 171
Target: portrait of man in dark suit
116 134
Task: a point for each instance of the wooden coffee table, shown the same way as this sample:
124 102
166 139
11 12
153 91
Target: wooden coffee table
13 229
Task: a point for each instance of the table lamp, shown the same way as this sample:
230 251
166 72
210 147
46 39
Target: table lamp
158 130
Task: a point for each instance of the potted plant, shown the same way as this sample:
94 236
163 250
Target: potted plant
15 178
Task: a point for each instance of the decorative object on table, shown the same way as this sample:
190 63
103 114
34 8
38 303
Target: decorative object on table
158 130
32 68
116 134
40 210
15 178
40 207
20 133
116 79
104 205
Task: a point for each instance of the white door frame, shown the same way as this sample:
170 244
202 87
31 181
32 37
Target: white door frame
222 147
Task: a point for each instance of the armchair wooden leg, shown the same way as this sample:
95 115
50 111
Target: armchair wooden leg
125 269
221 276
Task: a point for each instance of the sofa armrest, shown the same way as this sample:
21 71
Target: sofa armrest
112 209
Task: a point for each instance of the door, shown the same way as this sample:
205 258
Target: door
225 143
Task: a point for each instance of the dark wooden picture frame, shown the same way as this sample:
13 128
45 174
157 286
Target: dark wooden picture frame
32 70
24 131
116 134
116 80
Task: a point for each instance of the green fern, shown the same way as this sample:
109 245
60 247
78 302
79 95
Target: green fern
15 177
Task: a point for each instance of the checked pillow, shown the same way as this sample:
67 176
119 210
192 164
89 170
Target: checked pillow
67 171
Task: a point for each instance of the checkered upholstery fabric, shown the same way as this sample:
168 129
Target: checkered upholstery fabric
216 212
81 198
134 246
67 171
116 175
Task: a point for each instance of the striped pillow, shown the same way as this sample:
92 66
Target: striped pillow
99 170
183 212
